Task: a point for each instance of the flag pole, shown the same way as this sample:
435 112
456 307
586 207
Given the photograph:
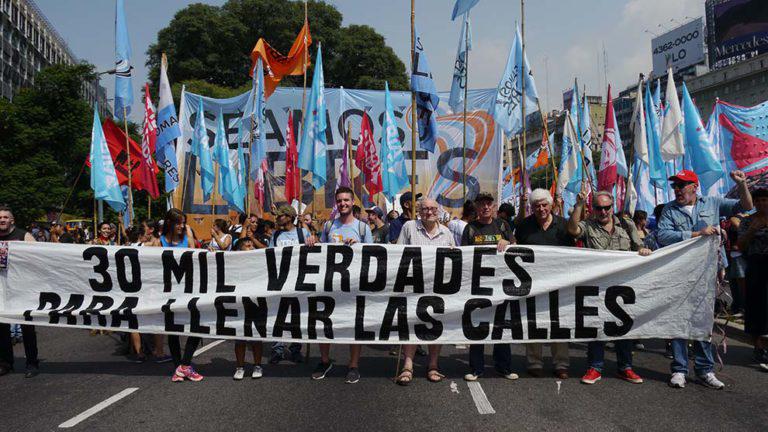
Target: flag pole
149 207
466 88
130 166
550 145
95 213
522 96
303 114
349 161
414 137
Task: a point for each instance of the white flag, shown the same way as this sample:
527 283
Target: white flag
672 127
638 126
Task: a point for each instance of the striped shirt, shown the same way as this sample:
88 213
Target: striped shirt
414 233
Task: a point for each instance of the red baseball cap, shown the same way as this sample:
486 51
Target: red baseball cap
685 176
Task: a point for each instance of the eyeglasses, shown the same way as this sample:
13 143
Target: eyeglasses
679 185
602 208
429 209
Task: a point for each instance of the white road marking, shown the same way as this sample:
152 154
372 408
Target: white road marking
96 408
207 347
558 386
481 400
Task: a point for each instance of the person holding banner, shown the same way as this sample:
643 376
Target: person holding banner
605 231
348 230
488 230
425 231
688 216
177 234
10 232
544 228
257 347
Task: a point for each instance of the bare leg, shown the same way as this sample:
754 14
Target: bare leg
256 348
434 356
136 343
408 352
240 353
159 345
325 353
354 355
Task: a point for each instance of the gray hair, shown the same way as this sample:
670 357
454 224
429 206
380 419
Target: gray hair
601 193
540 195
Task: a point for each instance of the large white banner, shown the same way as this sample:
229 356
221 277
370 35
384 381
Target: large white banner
367 293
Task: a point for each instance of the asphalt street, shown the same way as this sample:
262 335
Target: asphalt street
84 385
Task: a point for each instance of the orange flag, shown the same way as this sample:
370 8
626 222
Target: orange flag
276 65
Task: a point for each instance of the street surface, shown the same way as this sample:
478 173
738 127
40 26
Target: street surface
80 372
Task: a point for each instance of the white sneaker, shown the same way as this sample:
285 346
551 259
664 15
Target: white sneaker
471 377
711 381
239 374
763 366
677 380
257 372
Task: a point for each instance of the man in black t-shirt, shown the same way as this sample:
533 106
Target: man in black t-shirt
9 232
487 230
547 229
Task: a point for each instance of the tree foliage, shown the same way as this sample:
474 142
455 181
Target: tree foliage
210 44
45 135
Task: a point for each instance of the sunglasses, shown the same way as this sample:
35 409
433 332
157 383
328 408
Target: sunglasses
679 185
603 208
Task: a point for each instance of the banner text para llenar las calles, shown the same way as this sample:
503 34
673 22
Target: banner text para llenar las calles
366 293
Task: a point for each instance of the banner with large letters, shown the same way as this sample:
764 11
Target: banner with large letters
439 174
367 293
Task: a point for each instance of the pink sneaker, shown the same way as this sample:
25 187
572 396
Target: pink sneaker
190 373
177 376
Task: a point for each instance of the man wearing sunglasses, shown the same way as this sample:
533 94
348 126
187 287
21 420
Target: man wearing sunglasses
605 231
691 216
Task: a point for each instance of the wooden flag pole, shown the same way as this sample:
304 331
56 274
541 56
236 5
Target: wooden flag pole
522 99
414 136
303 115
466 87
130 166
349 161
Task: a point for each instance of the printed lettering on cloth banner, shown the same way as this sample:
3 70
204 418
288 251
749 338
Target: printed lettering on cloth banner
367 293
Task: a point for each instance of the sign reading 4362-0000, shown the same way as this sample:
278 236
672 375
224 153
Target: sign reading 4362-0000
679 48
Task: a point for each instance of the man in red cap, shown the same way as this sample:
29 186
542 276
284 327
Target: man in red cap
688 216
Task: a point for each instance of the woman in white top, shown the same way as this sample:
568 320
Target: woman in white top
220 238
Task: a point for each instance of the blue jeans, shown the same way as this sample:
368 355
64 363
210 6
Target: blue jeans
703 361
502 357
596 354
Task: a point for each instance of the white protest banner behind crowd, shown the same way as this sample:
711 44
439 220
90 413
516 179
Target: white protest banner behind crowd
367 293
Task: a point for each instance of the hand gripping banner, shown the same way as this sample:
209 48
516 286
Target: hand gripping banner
367 293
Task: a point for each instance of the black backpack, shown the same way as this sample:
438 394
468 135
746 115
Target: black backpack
299 234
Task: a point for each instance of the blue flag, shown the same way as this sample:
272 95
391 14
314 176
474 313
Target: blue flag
202 150
459 82
394 176
656 169
426 97
507 107
312 153
228 182
167 131
123 85
646 195
462 6
103 176
698 146
586 142
257 108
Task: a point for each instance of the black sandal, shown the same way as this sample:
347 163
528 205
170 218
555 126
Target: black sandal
405 377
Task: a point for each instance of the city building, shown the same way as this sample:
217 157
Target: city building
744 83
30 43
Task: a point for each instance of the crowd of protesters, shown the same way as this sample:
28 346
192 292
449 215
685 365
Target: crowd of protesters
594 223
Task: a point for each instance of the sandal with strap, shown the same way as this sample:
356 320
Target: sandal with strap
434 375
405 377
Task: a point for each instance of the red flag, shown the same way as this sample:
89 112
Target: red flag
258 185
148 168
116 142
368 160
607 174
292 172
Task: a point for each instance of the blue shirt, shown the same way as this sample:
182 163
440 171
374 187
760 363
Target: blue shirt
395 226
287 238
676 225
340 233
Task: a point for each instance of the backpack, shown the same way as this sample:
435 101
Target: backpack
299 234
360 228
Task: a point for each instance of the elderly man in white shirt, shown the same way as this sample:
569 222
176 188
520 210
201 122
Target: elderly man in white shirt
426 231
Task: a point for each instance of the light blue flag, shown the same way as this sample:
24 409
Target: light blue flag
312 153
461 7
585 124
103 176
426 97
571 168
221 157
123 83
258 111
242 174
202 150
167 131
698 147
394 175
507 106
459 83
656 169
646 195
129 210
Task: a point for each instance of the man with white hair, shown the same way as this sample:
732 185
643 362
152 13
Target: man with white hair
605 231
544 228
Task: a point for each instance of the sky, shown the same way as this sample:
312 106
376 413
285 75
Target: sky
565 39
